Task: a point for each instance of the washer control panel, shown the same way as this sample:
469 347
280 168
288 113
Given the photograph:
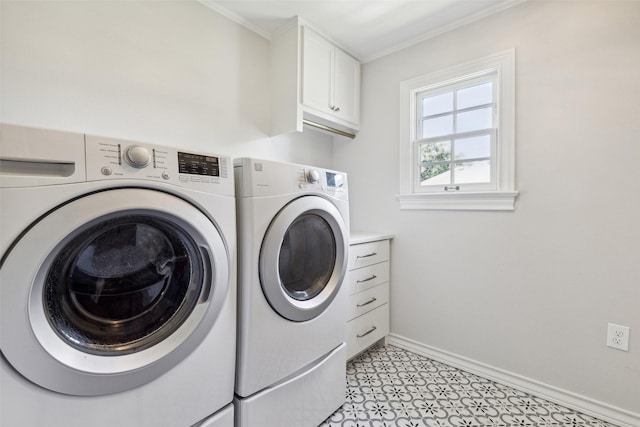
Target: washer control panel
109 158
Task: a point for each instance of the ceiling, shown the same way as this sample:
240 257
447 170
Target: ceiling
367 29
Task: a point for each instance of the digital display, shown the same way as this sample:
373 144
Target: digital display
334 180
198 164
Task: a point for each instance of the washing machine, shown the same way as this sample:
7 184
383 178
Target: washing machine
117 283
293 237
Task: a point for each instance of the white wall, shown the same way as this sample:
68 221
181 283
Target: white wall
167 72
531 291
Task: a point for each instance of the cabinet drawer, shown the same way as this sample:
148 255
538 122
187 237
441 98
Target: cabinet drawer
368 277
363 302
368 253
365 330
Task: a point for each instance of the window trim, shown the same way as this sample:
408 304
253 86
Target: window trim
503 198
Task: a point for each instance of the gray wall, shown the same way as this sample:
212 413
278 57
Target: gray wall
529 292
174 73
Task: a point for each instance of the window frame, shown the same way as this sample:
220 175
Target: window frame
500 196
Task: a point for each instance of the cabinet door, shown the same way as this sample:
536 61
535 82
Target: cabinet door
346 87
317 69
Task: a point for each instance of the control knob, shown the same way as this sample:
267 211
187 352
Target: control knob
137 156
313 176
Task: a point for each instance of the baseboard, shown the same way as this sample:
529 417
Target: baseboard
588 406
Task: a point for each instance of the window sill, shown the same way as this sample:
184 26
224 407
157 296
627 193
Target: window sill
471 201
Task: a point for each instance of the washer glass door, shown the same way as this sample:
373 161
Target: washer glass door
123 284
111 290
303 258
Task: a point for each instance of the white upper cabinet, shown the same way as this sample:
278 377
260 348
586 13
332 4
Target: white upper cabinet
330 79
313 83
317 72
346 94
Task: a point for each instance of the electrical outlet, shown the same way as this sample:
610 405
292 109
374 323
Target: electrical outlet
618 337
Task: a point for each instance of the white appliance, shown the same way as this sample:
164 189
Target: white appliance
293 232
117 283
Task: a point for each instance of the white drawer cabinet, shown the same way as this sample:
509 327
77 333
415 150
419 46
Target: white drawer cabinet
364 278
368 282
365 301
364 254
366 330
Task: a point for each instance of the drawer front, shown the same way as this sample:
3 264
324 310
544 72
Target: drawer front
368 277
368 253
365 330
363 302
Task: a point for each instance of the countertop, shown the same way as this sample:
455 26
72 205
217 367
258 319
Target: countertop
357 237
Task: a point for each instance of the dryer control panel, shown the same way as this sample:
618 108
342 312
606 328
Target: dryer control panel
109 158
256 177
308 176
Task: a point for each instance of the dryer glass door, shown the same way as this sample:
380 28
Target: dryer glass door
307 257
303 258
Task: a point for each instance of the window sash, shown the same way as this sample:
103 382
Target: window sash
451 185
454 87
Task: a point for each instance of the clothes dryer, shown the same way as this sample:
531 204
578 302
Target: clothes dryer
293 232
117 282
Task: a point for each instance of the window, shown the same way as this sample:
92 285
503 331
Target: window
457 137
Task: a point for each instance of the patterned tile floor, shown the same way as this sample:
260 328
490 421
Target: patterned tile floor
388 386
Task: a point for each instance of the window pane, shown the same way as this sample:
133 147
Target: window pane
472 172
435 174
475 95
438 126
472 148
474 120
435 152
438 104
